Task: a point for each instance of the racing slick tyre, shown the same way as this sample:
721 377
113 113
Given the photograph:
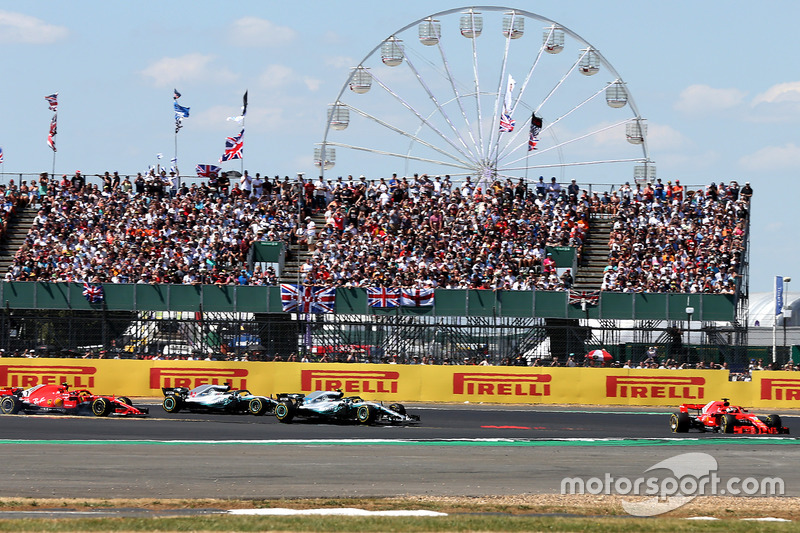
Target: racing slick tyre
257 407
172 404
726 423
125 400
10 405
679 422
102 407
398 408
773 421
284 412
366 414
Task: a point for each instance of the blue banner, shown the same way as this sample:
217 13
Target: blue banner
778 295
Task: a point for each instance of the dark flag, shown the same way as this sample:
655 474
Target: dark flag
536 128
175 94
244 104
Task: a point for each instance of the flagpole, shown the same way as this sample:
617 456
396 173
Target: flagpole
241 161
53 174
177 174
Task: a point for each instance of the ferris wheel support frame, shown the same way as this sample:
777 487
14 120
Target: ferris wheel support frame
472 9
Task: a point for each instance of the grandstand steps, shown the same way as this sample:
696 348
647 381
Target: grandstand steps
299 254
16 231
594 256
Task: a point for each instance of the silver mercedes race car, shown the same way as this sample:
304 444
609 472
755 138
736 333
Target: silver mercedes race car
334 406
216 398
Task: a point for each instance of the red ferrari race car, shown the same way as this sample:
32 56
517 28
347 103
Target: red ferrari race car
59 399
723 417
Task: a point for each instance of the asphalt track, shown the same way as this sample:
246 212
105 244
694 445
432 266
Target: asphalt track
456 450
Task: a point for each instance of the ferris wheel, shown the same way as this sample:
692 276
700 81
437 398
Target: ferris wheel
473 92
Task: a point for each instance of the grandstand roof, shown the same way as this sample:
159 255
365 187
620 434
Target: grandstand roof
762 306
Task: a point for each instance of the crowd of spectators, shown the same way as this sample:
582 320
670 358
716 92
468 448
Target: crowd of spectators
669 239
399 232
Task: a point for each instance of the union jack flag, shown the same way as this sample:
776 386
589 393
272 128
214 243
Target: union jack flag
307 299
51 141
1 155
383 297
416 297
207 171
233 148
507 123
52 100
93 293
579 297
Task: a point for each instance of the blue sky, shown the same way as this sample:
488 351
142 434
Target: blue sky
717 82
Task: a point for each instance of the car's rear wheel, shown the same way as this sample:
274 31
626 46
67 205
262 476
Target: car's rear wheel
257 407
398 408
726 423
679 422
366 414
773 421
10 405
284 412
172 404
102 407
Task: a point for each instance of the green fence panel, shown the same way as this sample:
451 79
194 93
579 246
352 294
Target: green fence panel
719 307
120 297
53 295
216 298
185 297
577 311
351 301
678 303
20 294
649 306
77 300
616 305
267 252
417 311
450 302
515 303
482 303
274 304
151 297
564 256
252 299
550 304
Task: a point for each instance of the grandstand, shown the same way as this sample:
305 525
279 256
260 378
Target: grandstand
419 231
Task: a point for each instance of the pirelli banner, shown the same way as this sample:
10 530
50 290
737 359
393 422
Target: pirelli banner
414 383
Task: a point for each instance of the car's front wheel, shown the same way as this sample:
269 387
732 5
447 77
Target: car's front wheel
726 423
773 421
679 422
172 404
102 407
257 407
366 414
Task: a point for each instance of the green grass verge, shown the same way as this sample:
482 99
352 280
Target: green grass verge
391 524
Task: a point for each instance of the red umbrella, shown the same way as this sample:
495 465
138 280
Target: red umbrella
599 355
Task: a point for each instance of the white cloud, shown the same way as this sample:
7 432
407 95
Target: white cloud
772 158
169 71
782 92
313 84
342 62
705 100
281 76
661 137
19 28
253 31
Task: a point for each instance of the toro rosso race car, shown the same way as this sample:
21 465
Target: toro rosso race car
723 417
333 406
218 398
60 399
